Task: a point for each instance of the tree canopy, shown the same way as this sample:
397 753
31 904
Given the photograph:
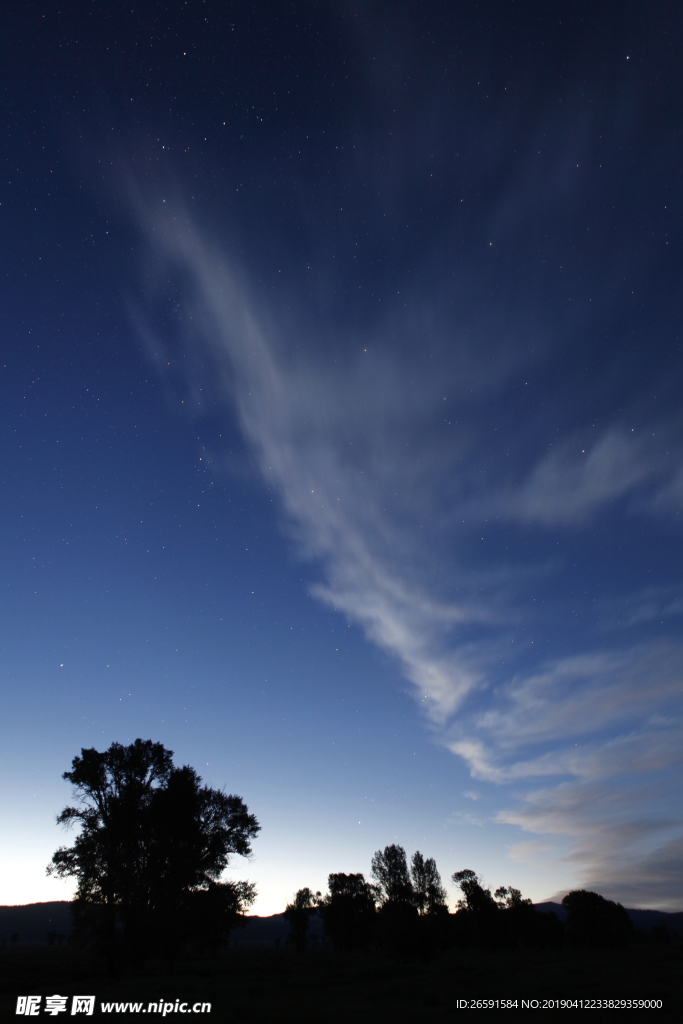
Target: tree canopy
429 894
153 842
389 868
475 897
298 914
594 921
348 910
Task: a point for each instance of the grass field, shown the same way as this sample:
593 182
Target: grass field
275 986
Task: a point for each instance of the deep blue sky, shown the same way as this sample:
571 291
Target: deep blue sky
342 445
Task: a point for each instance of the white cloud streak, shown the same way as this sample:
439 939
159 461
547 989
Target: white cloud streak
579 477
323 440
341 445
576 480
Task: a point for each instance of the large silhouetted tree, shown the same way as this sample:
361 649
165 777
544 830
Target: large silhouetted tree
152 846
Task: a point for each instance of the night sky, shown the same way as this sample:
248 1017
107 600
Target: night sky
342 432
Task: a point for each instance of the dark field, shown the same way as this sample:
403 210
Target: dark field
269 986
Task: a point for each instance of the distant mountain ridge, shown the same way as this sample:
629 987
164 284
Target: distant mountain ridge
32 922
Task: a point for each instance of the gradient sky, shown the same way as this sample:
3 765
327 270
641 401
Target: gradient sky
342 439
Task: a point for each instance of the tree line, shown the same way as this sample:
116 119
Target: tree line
154 842
404 911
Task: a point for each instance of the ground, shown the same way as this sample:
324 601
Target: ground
275 986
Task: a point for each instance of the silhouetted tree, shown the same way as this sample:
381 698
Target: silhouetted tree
594 921
510 899
211 913
521 925
478 921
390 871
476 899
298 916
504 919
152 840
349 911
428 892
397 914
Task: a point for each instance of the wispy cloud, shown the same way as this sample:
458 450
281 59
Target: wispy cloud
624 840
667 499
580 476
646 606
584 695
654 879
323 438
609 728
468 818
377 481
576 479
